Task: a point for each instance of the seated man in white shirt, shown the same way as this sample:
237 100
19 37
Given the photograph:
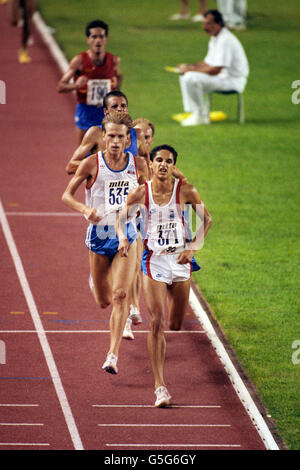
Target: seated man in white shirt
224 68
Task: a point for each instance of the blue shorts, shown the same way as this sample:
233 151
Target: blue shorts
87 116
104 241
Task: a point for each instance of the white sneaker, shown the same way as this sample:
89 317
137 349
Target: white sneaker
135 315
195 119
110 365
127 333
179 16
163 398
198 17
237 27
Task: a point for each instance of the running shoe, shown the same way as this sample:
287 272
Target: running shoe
163 398
24 58
198 18
127 333
135 315
180 16
110 365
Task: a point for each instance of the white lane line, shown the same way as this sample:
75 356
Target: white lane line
17 404
54 48
41 332
168 425
24 444
232 373
173 445
152 406
21 424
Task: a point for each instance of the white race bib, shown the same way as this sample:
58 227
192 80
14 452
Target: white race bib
96 90
167 238
116 192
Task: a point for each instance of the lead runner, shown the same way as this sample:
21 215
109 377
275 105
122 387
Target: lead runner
168 252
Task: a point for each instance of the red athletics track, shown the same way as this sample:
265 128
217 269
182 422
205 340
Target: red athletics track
54 394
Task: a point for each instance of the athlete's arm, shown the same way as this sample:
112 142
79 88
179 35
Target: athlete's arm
135 200
118 74
92 138
86 172
64 85
142 169
178 174
189 195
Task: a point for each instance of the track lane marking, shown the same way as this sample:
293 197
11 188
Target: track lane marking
152 406
18 404
21 424
41 333
168 425
24 444
173 445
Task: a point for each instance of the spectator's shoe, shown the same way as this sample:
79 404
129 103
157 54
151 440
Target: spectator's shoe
135 315
163 398
23 57
110 365
127 333
198 18
195 119
180 16
237 27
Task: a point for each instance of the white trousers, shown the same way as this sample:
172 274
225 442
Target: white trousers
233 11
196 86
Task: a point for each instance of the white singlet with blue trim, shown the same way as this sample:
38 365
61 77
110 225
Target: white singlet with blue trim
108 194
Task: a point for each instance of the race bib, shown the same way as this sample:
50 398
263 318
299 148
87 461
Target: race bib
167 238
116 195
96 90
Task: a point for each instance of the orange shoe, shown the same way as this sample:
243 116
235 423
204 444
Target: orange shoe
24 58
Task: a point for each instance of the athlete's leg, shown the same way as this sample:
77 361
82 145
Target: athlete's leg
178 298
123 270
136 285
80 133
155 295
14 12
100 268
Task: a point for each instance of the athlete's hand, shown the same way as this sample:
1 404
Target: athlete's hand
124 246
185 256
81 82
92 215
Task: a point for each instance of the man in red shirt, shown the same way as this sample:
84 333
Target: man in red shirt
95 72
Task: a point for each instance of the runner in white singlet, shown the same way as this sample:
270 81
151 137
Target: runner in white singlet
109 176
168 255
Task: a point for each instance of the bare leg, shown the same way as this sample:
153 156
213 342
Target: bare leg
155 295
123 270
100 268
184 7
202 6
178 297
